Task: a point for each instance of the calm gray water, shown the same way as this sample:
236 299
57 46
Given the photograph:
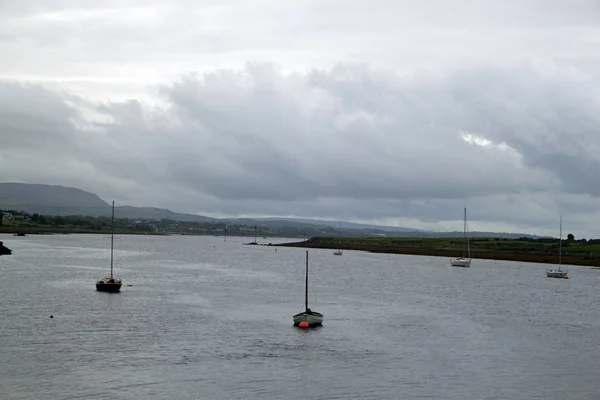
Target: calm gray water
207 319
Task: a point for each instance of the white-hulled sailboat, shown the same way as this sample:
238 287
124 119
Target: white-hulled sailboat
308 318
339 251
465 260
559 272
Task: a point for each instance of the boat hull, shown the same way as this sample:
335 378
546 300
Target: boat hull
109 285
312 319
461 262
338 253
556 274
4 251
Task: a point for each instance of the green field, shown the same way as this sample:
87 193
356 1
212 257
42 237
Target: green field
476 244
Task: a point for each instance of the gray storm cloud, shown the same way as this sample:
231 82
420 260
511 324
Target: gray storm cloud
261 141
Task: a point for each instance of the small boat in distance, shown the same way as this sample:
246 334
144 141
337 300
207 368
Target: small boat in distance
110 284
560 272
465 260
339 251
308 318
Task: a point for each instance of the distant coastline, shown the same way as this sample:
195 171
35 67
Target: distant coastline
534 251
581 252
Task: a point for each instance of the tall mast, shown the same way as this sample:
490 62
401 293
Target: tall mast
112 238
340 240
306 285
467 236
560 245
465 233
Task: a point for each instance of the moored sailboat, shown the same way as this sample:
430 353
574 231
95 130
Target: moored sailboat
308 318
339 251
110 284
559 272
465 260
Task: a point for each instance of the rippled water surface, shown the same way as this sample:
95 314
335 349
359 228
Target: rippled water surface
208 319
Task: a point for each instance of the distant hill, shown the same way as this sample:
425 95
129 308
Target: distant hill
157 213
62 200
48 199
336 224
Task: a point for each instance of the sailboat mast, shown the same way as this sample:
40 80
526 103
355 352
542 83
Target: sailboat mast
340 240
306 285
465 233
467 236
112 238
560 245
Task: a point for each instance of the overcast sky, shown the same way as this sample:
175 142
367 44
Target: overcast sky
382 111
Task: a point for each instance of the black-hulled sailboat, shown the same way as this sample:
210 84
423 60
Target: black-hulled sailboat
308 318
110 284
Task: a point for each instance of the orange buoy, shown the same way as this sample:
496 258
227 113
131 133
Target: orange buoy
51 316
275 249
303 324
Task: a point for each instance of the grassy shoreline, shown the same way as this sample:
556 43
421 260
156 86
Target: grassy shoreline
533 251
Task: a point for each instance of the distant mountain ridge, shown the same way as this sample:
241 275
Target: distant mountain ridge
132 212
63 200
345 225
48 199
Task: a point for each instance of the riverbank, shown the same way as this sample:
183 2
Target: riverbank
542 251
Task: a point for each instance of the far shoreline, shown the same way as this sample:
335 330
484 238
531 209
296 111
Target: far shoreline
589 260
409 246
